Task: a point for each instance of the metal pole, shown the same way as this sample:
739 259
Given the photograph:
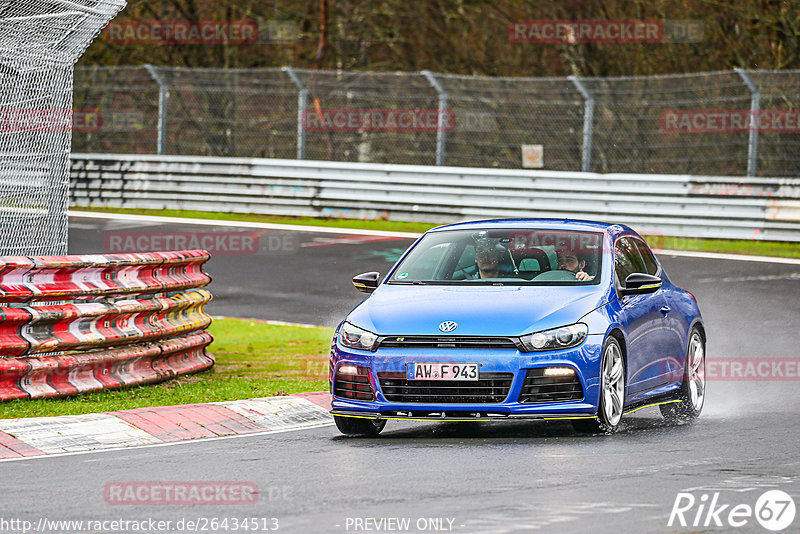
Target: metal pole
588 123
302 98
755 105
441 131
162 108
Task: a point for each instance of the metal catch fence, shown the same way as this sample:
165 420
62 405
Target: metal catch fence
729 123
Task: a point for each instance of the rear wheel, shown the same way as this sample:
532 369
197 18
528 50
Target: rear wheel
692 393
356 426
612 392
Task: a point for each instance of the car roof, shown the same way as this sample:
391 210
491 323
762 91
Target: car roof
538 224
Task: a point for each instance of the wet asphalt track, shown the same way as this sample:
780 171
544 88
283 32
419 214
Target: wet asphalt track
486 477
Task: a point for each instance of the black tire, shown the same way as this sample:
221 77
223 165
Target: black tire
692 393
356 426
607 420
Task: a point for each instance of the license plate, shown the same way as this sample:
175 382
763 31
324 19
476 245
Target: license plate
442 371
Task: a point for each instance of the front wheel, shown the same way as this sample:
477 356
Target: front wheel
356 426
612 392
692 393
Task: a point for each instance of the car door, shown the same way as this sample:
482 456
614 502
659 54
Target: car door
644 321
674 325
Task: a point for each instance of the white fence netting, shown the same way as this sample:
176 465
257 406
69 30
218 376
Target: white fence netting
40 41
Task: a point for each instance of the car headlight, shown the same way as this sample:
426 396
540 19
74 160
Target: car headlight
357 338
557 338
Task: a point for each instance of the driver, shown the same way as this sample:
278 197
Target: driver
488 257
569 260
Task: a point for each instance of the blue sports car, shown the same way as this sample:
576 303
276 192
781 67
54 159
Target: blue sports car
519 318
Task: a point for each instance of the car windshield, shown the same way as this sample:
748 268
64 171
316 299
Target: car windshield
503 256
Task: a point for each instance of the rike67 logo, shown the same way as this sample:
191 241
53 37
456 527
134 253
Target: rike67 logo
774 510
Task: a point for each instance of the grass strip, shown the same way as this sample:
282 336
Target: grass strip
254 359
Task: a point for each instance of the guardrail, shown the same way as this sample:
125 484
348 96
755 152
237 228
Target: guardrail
135 319
679 205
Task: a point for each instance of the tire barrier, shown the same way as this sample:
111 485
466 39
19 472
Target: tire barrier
105 338
82 372
23 279
34 330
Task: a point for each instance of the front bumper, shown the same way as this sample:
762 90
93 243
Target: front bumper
584 360
453 417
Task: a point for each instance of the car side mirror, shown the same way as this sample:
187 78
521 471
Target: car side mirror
640 283
366 282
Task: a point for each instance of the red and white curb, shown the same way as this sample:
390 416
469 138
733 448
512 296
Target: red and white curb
70 434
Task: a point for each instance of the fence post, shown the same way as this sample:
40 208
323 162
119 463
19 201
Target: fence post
162 108
588 123
755 105
302 98
441 132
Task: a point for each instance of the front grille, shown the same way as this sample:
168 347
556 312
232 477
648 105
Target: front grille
447 342
541 388
356 387
490 388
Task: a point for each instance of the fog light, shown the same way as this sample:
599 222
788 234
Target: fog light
559 371
348 370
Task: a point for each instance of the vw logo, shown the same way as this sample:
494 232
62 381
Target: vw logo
448 326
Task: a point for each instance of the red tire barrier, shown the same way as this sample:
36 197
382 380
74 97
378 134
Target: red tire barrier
97 343
88 325
23 279
82 372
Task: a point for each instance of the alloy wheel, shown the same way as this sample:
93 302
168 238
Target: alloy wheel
696 363
613 384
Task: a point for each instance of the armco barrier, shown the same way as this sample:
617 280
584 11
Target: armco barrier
679 205
112 334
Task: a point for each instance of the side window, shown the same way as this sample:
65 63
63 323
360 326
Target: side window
648 258
627 259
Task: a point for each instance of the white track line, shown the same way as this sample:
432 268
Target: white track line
384 233
735 257
170 443
240 224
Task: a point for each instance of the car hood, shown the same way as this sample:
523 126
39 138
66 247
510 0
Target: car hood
478 311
